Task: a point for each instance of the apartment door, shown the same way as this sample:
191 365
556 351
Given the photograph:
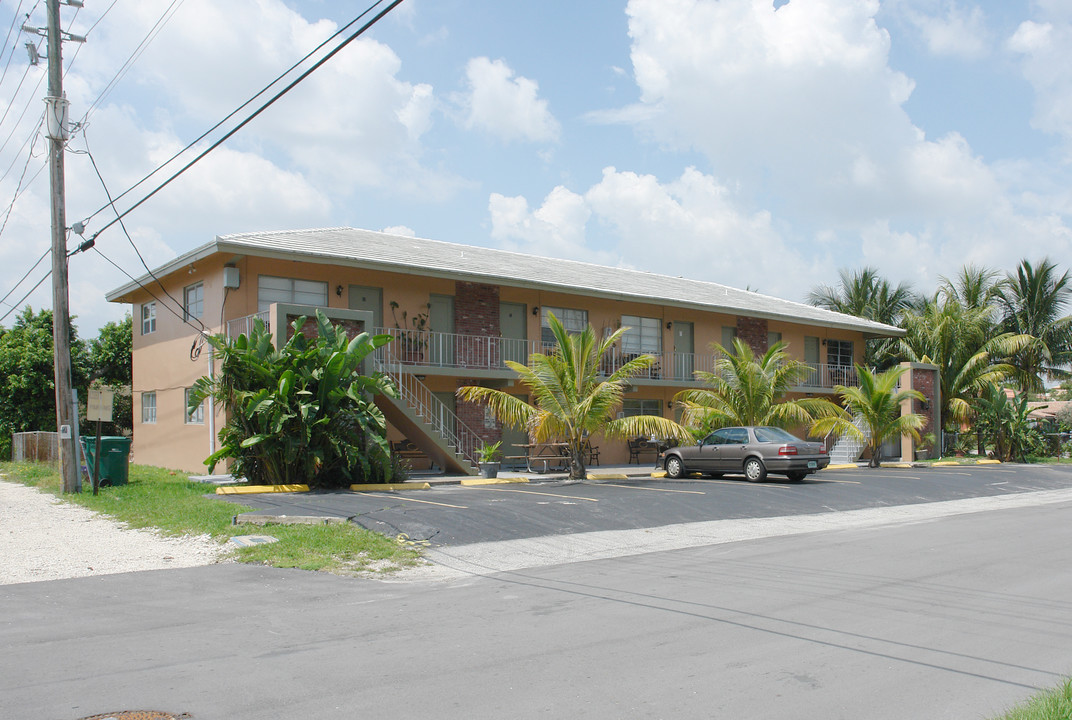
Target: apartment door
441 320
511 438
684 359
513 326
367 298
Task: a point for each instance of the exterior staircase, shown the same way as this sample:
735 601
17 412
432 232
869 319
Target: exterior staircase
426 421
847 449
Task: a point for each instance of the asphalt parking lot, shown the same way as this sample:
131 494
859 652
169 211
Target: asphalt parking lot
451 515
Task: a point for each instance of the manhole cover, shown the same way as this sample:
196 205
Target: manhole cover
137 715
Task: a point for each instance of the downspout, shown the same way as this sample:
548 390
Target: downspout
211 403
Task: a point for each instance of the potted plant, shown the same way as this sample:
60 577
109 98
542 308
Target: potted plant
489 464
923 452
413 342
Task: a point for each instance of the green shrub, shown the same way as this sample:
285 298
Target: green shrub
302 414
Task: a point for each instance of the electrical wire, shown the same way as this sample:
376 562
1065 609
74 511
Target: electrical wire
257 112
234 112
122 225
14 46
18 189
18 87
180 316
125 67
23 278
23 298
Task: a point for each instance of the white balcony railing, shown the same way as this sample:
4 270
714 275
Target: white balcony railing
428 349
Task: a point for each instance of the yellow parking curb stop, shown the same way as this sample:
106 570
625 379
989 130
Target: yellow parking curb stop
254 489
493 481
380 487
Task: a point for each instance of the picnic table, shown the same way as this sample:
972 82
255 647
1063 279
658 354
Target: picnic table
544 456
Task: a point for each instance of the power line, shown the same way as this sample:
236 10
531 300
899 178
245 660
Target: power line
23 278
129 62
14 19
23 298
259 110
173 299
234 112
19 188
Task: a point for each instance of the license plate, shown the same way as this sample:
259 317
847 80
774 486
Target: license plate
812 464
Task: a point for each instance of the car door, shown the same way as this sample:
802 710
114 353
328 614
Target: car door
705 456
732 445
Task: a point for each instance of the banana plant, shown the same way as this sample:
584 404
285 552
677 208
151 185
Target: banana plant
302 414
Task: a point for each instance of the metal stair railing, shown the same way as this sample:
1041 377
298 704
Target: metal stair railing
458 436
850 446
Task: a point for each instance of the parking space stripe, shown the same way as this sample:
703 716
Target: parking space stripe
482 488
426 502
641 487
850 482
736 483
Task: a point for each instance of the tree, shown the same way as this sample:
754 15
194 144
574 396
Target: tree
1003 423
864 293
972 287
960 340
111 365
570 400
27 375
1032 303
744 390
878 401
302 414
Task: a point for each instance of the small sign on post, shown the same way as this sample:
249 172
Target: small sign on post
99 408
99 404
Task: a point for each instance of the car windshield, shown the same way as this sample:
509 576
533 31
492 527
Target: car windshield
774 435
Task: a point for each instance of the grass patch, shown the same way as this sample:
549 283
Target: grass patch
168 501
1053 704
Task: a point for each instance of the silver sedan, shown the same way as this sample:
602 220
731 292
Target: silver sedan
754 451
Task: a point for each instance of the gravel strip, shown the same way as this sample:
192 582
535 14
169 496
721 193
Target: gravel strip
44 538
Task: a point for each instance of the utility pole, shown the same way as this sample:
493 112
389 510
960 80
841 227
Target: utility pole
56 124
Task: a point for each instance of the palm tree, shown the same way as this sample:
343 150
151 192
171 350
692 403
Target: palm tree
744 390
570 400
864 293
878 401
1032 303
972 287
960 340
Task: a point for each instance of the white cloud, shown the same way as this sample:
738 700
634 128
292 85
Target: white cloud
952 30
1046 49
506 106
400 230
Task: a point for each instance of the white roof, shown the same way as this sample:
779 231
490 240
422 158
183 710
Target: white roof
397 253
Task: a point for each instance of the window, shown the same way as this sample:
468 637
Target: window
773 338
148 318
197 416
839 352
148 407
193 301
811 350
289 290
645 335
575 321
728 334
632 407
729 436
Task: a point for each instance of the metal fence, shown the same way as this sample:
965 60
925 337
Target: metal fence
35 446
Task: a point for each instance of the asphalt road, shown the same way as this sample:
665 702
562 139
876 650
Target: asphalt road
950 618
452 515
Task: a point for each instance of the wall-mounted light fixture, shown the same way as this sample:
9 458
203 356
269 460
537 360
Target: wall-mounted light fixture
824 341
536 310
338 290
669 404
669 325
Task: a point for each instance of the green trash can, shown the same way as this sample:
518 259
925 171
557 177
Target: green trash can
114 461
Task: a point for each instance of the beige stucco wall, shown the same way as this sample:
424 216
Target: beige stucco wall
162 359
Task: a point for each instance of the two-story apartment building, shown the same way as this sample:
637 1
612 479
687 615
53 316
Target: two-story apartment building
456 312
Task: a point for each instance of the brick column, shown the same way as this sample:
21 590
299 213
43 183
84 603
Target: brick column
476 313
753 332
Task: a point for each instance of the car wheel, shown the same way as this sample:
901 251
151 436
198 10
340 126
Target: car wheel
754 470
674 467
797 476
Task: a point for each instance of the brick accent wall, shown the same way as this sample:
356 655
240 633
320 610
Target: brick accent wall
310 330
476 416
923 380
753 332
476 313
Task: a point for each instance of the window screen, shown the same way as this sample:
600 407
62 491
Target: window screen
643 336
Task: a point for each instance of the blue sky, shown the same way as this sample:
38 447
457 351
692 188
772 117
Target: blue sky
753 143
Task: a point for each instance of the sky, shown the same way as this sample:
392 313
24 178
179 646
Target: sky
756 143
